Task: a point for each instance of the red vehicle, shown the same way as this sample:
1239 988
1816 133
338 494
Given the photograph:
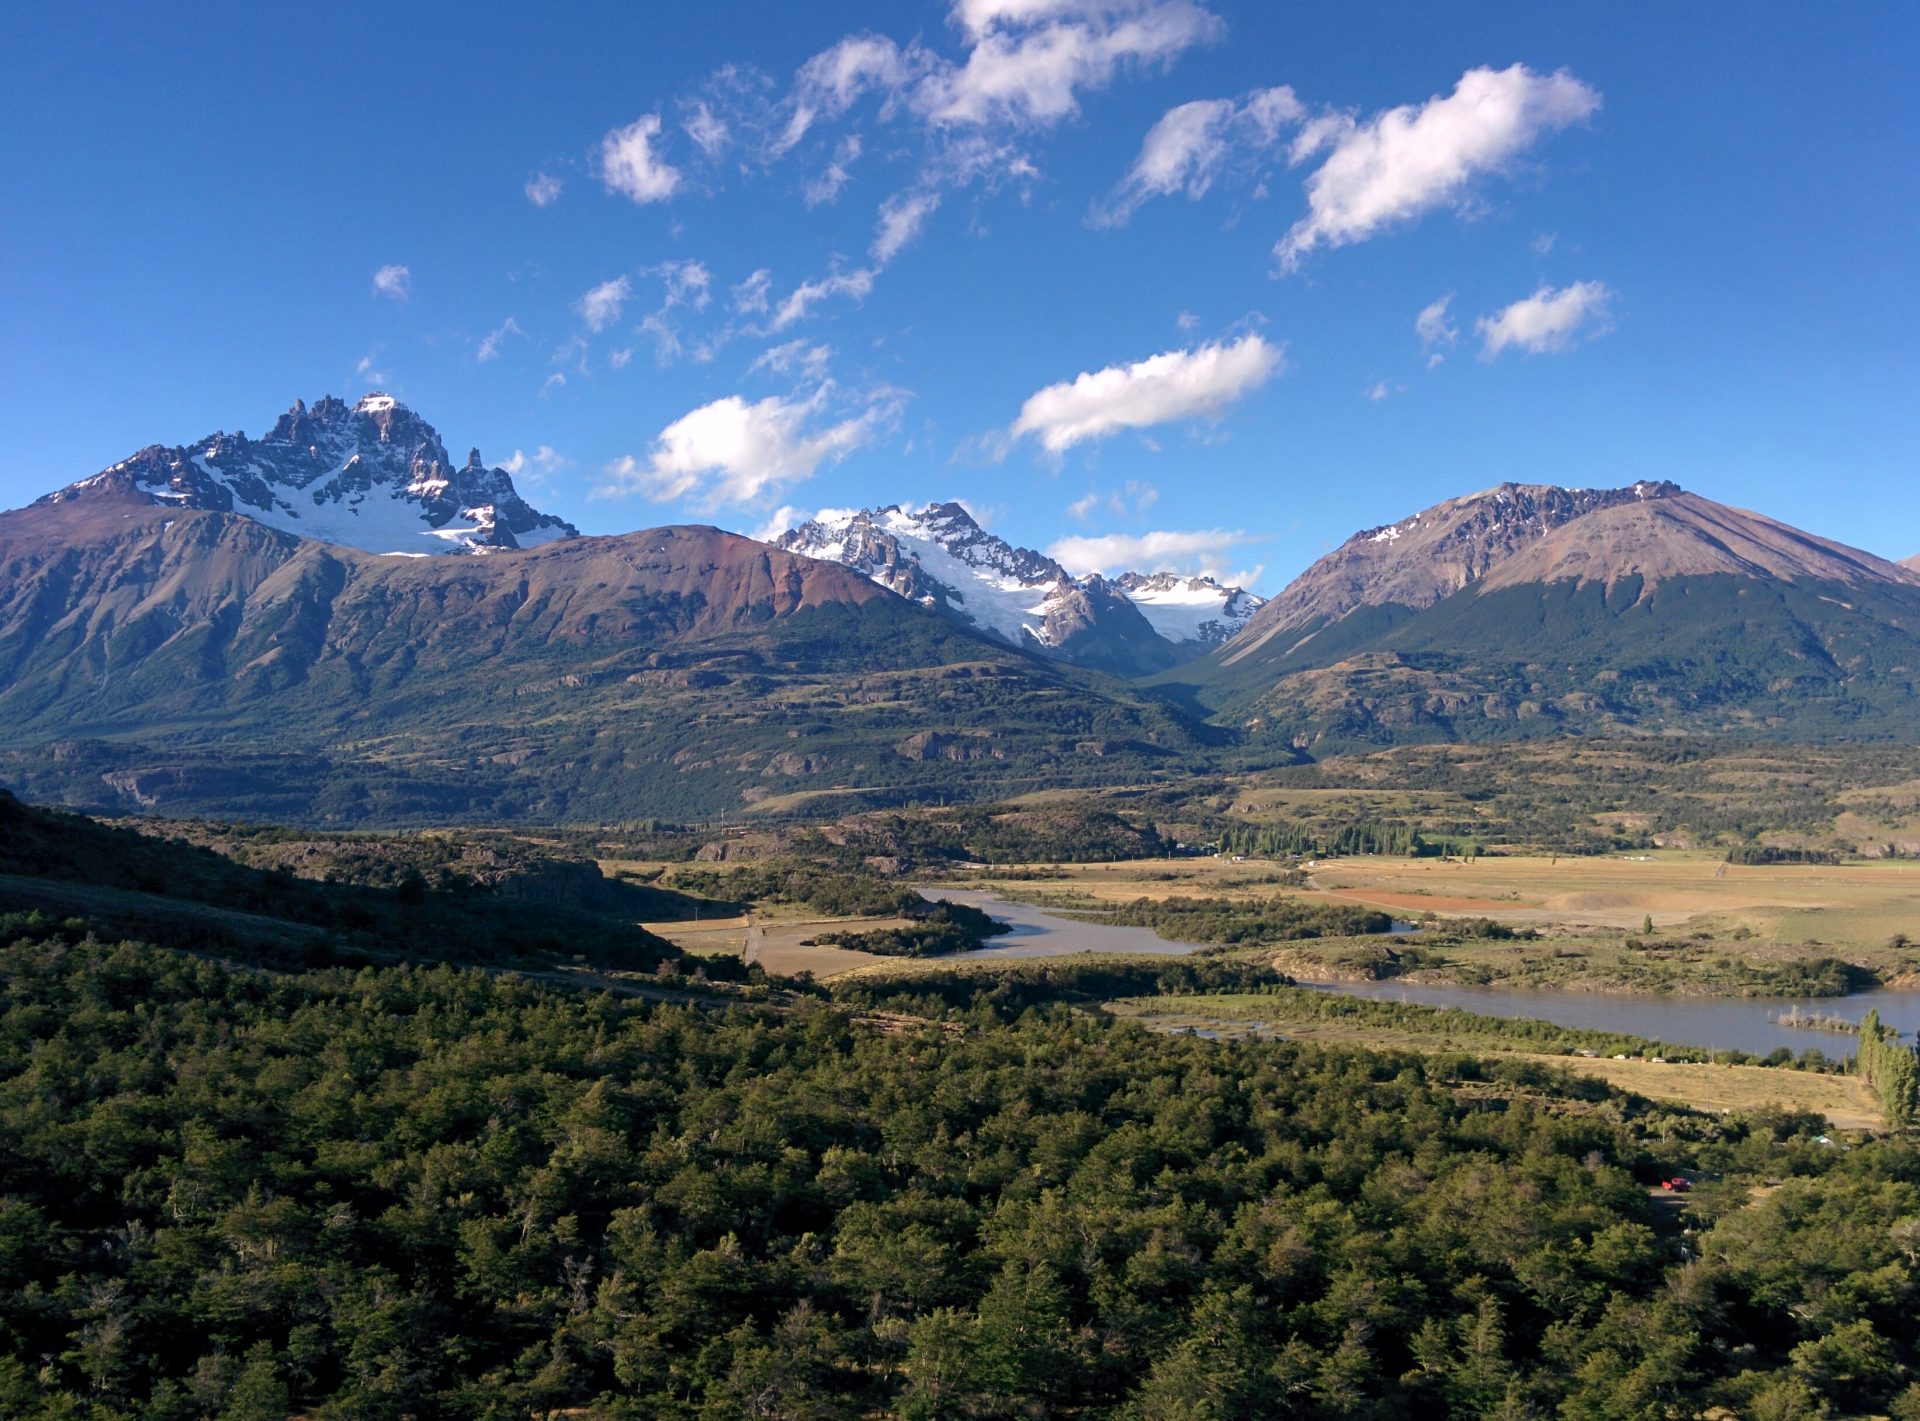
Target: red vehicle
1677 1185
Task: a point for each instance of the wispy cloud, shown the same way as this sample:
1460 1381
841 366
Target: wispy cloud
601 306
393 282
1192 145
1028 63
1166 550
535 468
793 357
543 189
1546 321
1391 168
490 344
901 218
1175 385
707 129
799 302
1433 326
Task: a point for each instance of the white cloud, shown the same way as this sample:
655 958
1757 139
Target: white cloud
826 187
979 16
543 189
620 359
706 128
554 381
901 218
1175 385
601 307
1192 145
733 452
1405 161
490 345
688 285
1543 243
808 294
1029 61
630 167
809 360
1084 506
537 466
1161 551
783 519
1546 321
1432 325
394 282
1380 390
751 295
830 83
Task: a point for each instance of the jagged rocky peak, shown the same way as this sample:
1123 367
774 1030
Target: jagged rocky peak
371 475
939 555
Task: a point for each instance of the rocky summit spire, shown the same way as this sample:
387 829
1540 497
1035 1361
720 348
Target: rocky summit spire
372 475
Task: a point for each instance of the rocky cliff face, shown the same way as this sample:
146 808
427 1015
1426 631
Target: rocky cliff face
373 476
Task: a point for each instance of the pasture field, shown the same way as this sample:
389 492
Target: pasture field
780 945
1846 1101
1715 926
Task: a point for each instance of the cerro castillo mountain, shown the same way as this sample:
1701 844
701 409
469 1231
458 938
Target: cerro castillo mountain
224 628
373 475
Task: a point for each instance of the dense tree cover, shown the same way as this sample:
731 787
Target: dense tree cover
1892 1069
1768 854
1245 920
794 880
406 1192
187 895
944 928
1330 841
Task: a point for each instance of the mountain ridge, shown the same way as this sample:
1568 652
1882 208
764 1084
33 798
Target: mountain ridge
187 660
937 554
1527 610
373 476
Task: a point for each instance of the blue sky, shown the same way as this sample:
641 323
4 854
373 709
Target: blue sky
792 257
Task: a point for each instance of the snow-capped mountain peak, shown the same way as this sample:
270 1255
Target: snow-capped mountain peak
373 475
939 555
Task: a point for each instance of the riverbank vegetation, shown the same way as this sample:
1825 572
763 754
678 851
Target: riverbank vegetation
940 930
1285 1008
1892 1069
1241 921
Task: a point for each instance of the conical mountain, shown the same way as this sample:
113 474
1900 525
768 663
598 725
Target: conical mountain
1530 609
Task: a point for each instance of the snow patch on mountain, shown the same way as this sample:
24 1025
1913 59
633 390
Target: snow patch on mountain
938 555
1189 609
373 476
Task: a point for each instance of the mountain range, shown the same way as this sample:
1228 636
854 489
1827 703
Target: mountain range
223 628
940 557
